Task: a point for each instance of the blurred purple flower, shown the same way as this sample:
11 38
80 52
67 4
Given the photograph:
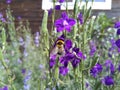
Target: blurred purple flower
1 17
96 70
117 25
80 18
119 67
63 70
64 23
112 49
110 66
19 18
23 71
118 31
108 80
8 1
21 41
4 88
50 11
107 63
92 48
57 7
61 1
26 79
36 39
118 43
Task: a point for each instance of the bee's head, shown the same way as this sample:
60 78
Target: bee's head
59 43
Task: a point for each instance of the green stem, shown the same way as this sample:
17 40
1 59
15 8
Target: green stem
10 80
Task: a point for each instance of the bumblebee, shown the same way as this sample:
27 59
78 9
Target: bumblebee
59 47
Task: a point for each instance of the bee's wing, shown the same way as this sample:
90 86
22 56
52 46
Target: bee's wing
54 51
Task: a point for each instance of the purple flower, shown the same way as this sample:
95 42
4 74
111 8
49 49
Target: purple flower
109 65
61 1
118 31
117 25
57 7
80 18
4 88
64 23
112 49
92 48
112 68
108 62
75 62
1 17
119 67
23 71
50 11
96 70
108 80
118 43
52 61
66 58
36 39
8 1
19 18
63 70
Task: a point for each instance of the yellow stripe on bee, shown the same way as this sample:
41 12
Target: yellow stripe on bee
60 42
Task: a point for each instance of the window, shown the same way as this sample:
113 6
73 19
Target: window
97 4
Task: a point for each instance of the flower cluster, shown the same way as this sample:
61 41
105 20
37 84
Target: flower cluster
71 55
117 25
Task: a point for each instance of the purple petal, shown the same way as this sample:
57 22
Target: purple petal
60 29
112 69
52 60
117 25
108 80
68 44
8 1
76 49
71 21
5 88
61 1
118 43
50 11
59 25
57 7
80 18
81 55
65 59
59 22
118 32
75 62
68 28
63 70
108 62
119 67
64 15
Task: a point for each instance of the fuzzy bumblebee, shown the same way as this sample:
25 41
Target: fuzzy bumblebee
59 47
